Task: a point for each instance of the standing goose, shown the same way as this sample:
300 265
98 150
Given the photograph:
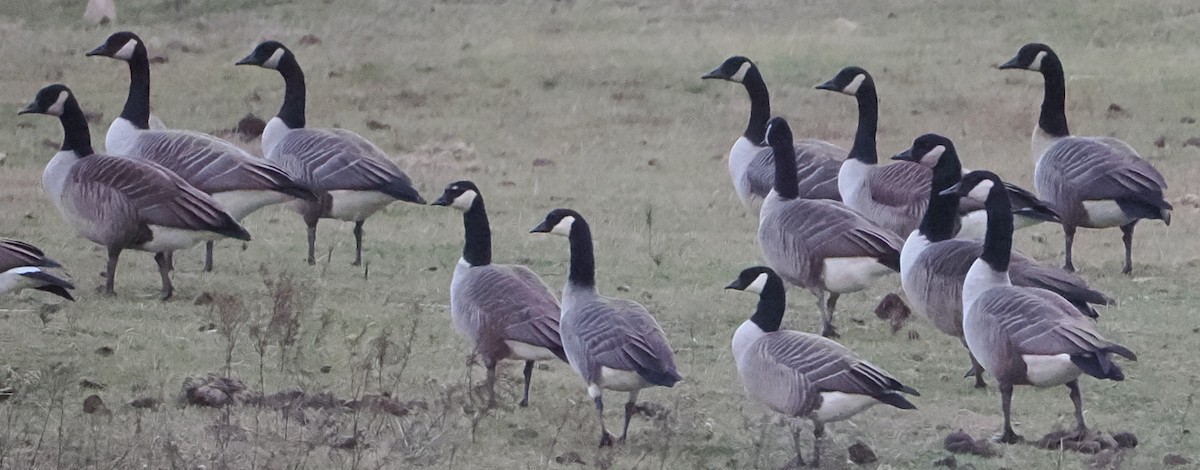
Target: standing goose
819 245
612 343
505 311
750 163
239 181
351 176
124 203
892 196
933 265
1024 335
1093 182
804 375
23 266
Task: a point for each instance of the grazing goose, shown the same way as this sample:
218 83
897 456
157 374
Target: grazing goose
124 203
23 266
1093 182
933 265
1024 335
351 176
505 311
804 375
750 163
239 181
612 343
892 196
819 245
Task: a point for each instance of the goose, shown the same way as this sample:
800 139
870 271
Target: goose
933 265
750 166
505 311
1026 335
1093 182
351 176
238 180
819 245
611 343
123 203
23 266
800 374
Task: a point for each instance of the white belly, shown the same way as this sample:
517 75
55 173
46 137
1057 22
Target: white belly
170 238
843 275
1050 371
528 352
357 205
837 406
1107 213
621 380
241 203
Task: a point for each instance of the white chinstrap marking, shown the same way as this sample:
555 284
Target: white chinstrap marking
563 227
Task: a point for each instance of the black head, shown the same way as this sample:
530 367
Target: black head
558 222
983 179
927 150
122 45
847 81
49 100
266 55
1030 57
460 195
779 134
733 69
753 279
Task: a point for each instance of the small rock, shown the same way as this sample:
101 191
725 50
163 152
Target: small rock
377 126
345 442
431 268
948 461
309 40
862 454
145 402
1161 141
893 309
569 458
90 384
622 288
326 369
1174 460
1187 120
1192 142
543 162
204 298
94 404
104 351
1116 111
1125 439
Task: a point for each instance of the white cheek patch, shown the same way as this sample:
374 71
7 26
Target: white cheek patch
564 226
741 73
56 109
852 88
981 190
758 284
463 201
930 159
273 61
1037 61
126 52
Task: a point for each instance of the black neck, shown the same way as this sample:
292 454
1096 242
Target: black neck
583 261
1053 118
868 122
786 182
760 106
939 220
137 104
477 250
76 136
771 304
292 111
997 243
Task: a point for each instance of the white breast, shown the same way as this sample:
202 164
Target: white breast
457 317
357 205
979 279
54 178
743 337
974 226
914 245
121 137
844 275
1050 371
852 182
740 156
272 134
837 406
1041 142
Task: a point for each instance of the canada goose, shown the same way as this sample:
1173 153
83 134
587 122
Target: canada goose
612 343
23 266
892 196
819 245
238 180
800 374
505 311
1024 335
124 203
933 265
750 165
351 176
1093 182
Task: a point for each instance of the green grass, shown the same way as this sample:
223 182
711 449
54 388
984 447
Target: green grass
602 90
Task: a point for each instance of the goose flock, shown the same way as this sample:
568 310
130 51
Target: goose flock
830 221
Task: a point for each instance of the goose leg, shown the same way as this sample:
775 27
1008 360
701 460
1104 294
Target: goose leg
528 376
1009 436
797 462
171 260
827 329
630 409
110 271
1069 239
1076 398
358 233
976 368
491 382
818 433
312 243
164 270
1127 238
208 250
606 439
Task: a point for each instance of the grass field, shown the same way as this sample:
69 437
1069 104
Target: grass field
607 98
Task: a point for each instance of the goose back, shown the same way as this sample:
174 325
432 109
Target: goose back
604 336
495 305
817 166
1078 174
15 253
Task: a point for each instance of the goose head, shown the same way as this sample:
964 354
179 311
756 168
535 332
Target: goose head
779 134
558 222
1030 57
50 100
927 150
122 45
267 54
978 181
734 69
752 279
847 81
460 195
